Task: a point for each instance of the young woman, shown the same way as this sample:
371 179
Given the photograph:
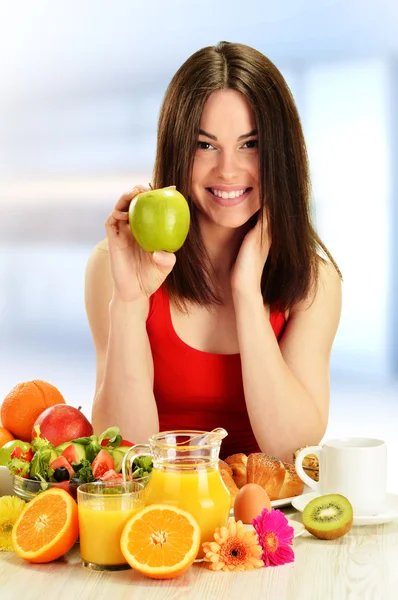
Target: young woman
235 330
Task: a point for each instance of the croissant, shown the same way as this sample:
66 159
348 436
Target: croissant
267 471
238 463
226 474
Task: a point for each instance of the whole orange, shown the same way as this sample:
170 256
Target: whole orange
5 436
25 402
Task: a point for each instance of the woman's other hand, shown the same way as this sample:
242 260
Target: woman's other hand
253 253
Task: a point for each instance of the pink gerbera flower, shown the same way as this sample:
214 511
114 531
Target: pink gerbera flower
275 536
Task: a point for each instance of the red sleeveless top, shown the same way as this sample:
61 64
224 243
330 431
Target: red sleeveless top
199 390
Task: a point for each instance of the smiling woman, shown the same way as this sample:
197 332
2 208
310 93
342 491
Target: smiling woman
235 329
226 171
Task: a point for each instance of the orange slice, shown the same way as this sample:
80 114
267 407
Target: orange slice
160 541
47 527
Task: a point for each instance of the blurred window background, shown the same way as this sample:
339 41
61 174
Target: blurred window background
81 88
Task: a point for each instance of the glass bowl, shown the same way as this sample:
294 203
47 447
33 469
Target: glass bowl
27 489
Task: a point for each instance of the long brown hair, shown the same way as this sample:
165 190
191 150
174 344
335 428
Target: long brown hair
292 264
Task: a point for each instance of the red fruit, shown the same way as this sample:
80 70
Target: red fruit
19 453
28 455
70 454
111 475
102 463
62 462
62 423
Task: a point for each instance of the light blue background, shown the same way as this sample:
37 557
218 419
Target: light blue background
81 87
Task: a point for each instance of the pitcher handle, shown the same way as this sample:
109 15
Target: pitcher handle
130 455
299 466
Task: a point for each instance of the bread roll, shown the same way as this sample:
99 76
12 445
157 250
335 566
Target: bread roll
226 474
224 465
266 470
238 463
292 485
310 464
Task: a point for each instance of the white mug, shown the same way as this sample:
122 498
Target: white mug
353 467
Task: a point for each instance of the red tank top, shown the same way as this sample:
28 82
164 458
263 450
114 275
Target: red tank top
199 390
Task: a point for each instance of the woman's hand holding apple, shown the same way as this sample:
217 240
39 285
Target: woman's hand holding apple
137 274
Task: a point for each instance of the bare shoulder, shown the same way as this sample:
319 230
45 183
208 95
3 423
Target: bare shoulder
101 248
98 272
325 294
98 261
318 315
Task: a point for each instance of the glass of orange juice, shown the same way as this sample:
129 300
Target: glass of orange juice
186 474
104 507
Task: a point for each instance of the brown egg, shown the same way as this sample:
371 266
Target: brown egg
250 502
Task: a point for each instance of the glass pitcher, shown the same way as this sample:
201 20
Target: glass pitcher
185 474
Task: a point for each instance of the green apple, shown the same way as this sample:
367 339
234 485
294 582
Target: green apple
159 220
5 451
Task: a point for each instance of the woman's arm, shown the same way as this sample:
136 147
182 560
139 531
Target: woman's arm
124 375
287 385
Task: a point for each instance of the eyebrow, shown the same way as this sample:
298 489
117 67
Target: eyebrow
241 137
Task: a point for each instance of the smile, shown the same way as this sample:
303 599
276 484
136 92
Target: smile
230 197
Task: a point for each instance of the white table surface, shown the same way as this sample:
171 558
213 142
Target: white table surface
361 565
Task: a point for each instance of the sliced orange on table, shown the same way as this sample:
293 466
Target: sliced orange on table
160 541
47 528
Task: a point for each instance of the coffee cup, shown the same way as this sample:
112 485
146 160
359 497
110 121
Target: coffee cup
353 467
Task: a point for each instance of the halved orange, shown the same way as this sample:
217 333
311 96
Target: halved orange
47 527
160 541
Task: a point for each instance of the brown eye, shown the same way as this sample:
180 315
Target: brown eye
251 144
204 145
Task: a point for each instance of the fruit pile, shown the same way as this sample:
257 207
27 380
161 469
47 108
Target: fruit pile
56 443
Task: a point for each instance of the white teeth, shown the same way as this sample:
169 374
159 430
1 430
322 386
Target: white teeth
231 195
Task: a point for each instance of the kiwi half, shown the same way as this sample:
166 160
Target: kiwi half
328 517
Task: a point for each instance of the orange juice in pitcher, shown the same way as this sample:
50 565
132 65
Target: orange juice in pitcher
185 474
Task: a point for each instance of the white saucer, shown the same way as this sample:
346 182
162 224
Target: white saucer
298 527
389 514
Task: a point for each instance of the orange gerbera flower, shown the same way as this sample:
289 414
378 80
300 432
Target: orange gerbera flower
234 549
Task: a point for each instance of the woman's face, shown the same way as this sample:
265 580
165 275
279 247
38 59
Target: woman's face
225 186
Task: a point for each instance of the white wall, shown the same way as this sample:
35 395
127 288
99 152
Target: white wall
349 139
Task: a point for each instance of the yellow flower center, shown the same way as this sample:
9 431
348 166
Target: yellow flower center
270 541
6 527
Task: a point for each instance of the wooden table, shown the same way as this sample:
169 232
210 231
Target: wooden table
362 565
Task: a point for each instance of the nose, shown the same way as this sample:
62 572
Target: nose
227 165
